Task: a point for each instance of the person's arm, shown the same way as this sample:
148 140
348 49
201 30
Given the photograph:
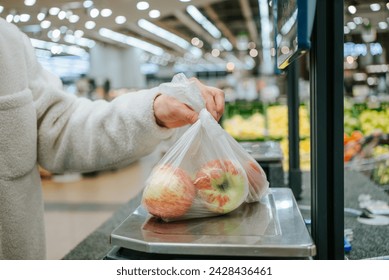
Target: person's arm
81 135
78 134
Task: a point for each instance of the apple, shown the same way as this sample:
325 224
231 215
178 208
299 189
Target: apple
221 185
258 184
169 192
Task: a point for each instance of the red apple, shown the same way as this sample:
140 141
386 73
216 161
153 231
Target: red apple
258 183
169 192
222 185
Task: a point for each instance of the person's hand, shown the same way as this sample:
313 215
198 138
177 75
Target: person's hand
171 113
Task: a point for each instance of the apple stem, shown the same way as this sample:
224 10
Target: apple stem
223 186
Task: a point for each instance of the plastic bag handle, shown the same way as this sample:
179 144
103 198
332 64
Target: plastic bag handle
210 124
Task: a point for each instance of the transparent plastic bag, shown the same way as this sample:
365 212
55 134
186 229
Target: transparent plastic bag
258 183
205 173
185 91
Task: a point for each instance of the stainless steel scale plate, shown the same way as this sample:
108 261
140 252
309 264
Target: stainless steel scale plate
272 227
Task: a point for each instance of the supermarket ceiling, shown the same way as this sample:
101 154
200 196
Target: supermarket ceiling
207 29
176 26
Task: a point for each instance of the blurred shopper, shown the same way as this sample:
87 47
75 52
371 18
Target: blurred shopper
40 123
83 87
107 89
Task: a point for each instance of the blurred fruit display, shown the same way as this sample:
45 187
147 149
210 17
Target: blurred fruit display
372 120
262 122
258 122
277 121
371 157
251 128
305 153
248 121
358 116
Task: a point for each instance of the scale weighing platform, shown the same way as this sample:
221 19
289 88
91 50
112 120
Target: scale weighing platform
271 228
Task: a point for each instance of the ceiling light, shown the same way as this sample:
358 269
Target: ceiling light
167 35
69 14
94 13
29 2
226 44
230 66
350 59
56 33
285 50
203 21
142 5
24 17
63 29
346 30
154 14
90 24
54 11
62 15
375 7
215 52
251 45
352 9
131 41
120 19
351 25
78 33
9 18
253 53
74 18
73 50
185 1
1 9
41 16
382 25
195 41
83 42
387 5
358 20
45 24
16 18
87 4
106 12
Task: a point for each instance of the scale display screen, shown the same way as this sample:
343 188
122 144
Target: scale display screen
294 22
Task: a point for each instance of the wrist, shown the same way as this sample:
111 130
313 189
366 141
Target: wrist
155 106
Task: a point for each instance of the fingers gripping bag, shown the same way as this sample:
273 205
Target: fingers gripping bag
187 92
203 174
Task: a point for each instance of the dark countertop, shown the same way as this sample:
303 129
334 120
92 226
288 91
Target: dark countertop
369 241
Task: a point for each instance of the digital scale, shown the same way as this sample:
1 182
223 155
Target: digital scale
271 228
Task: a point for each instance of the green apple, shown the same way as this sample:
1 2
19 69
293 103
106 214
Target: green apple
221 185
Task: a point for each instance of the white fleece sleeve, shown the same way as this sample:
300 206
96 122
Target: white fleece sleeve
76 134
